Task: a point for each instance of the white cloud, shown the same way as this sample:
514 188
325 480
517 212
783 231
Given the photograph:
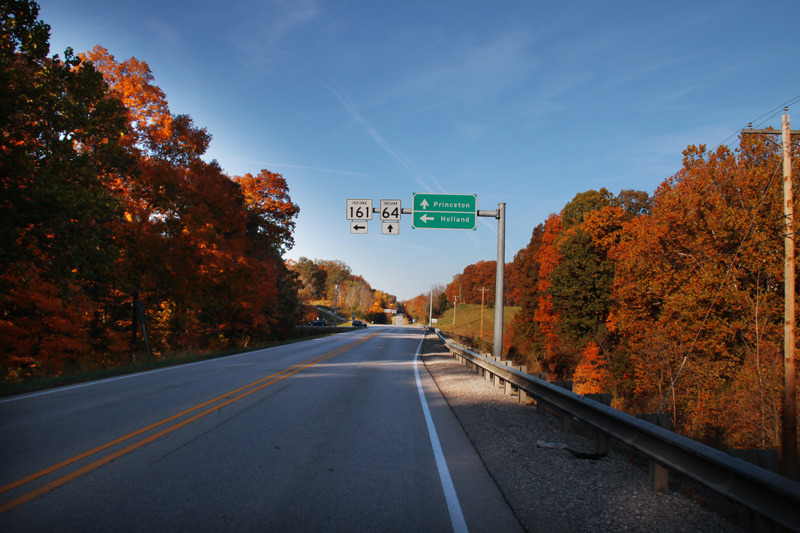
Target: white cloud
354 113
263 30
471 73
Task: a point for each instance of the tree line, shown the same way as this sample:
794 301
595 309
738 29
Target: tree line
112 225
672 302
333 283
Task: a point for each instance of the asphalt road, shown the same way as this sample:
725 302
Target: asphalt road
331 434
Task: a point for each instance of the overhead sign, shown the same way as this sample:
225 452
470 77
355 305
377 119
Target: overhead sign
445 211
359 209
390 210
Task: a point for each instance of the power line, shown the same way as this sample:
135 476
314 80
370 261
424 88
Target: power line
719 289
763 118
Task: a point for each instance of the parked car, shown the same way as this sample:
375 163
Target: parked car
359 324
318 322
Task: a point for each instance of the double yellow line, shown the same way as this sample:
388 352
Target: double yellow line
211 405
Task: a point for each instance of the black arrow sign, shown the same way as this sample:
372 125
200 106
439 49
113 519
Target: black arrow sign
359 228
390 228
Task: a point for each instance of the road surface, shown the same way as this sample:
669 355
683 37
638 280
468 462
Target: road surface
343 433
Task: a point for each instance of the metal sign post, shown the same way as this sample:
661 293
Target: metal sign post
500 275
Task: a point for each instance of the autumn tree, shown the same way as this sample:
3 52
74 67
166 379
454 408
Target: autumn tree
421 306
698 291
553 358
202 251
467 285
524 335
591 376
270 209
59 141
311 277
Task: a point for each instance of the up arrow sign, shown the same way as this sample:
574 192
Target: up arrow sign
390 228
424 204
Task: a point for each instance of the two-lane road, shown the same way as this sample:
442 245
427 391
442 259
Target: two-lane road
345 433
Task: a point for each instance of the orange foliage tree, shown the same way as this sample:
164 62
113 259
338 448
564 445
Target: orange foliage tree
591 376
699 292
108 208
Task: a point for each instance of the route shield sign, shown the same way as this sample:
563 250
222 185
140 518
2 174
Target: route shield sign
358 209
445 211
391 210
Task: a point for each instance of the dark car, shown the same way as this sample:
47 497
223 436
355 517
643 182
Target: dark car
318 322
359 324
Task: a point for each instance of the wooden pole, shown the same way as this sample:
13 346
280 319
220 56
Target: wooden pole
789 434
789 407
430 311
483 295
455 308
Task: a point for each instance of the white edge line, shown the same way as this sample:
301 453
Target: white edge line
450 496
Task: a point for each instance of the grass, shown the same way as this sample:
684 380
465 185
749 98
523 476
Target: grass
468 320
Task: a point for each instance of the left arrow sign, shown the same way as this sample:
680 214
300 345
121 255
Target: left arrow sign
358 226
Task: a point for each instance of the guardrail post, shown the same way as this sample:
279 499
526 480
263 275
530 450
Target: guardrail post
600 442
522 396
659 477
566 421
541 407
564 384
605 399
659 474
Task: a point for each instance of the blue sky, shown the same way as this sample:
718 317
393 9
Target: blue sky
527 103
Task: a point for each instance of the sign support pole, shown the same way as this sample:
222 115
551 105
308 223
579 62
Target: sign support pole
500 275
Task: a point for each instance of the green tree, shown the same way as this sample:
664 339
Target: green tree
580 287
59 145
584 202
58 141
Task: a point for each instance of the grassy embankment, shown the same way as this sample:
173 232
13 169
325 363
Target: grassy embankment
468 323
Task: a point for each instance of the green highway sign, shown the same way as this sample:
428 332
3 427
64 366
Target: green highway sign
445 211
458 203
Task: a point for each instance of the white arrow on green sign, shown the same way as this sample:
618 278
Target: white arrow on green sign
445 211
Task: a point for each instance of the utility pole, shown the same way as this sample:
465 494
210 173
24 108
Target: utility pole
483 294
789 409
335 306
430 311
455 307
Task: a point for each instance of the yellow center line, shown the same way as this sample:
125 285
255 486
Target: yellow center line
259 384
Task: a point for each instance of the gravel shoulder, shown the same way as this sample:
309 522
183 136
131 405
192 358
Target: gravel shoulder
548 488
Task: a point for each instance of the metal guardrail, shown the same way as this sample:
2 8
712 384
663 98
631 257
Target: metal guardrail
768 495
